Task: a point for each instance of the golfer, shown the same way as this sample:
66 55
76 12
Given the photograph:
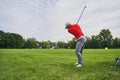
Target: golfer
76 30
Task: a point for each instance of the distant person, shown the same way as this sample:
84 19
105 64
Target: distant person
76 30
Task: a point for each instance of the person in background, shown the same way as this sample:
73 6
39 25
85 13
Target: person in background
76 30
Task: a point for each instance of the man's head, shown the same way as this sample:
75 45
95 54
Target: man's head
67 25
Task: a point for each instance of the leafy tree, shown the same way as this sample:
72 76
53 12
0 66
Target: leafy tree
72 43
116 43
31 43
18 40
1 39
88 43
106 38
61 44
52 44
10 40
45 45
95 42
102 40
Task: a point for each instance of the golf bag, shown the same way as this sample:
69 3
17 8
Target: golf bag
117 62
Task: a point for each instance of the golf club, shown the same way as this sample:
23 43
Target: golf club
80 15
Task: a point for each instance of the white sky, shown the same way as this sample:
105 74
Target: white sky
45 19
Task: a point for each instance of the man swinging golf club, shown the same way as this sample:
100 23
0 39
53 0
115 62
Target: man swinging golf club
76 30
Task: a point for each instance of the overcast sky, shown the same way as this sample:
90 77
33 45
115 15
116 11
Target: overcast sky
45 19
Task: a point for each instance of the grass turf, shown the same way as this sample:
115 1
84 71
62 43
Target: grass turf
58 64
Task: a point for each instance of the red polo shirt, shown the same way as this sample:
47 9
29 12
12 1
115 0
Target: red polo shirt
75 30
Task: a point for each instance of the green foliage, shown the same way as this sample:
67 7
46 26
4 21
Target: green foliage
11 40
102 40
1 39
116 43
95 42
45 45
72 43
31 43
105 37
56 64
61 45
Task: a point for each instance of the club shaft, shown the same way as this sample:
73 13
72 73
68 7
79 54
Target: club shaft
80 15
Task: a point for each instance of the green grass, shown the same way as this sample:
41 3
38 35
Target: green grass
50 64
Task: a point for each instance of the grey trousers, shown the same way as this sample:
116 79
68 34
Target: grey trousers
79 48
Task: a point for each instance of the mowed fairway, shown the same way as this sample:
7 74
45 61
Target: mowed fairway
58 64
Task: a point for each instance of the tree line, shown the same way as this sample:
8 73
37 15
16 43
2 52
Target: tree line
13 40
